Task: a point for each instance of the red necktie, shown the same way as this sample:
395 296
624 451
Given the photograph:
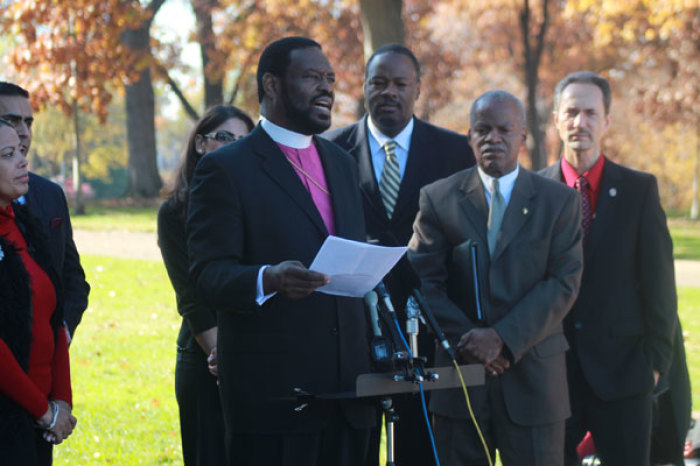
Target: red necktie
582 186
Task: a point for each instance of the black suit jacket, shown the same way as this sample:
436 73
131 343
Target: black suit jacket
528 285
249 208
434 153
621 327
47 202
196 315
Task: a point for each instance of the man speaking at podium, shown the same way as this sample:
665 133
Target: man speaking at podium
523 232
260 209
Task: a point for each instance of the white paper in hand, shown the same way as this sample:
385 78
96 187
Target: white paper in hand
354 267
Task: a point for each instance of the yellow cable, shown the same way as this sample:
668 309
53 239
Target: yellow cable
471 413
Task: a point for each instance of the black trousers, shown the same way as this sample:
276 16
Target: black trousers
201 418
338 444
26 449
621 429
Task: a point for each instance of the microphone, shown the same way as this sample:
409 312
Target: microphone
412 317
432 323
386 299
380 349
372 301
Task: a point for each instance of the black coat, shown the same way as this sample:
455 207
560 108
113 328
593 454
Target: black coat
248 208
16 310
47 203
622 324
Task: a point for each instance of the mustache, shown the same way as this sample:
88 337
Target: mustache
323 94
581 131
388 101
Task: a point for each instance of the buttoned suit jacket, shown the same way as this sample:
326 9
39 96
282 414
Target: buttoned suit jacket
434 154
249 208
47 202
621 327
527 287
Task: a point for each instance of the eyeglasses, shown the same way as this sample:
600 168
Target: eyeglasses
222 136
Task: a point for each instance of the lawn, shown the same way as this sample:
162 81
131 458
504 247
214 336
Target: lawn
123 359
140 219
689 312
686 238
122 364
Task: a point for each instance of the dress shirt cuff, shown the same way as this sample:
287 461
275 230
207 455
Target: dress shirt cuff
260 296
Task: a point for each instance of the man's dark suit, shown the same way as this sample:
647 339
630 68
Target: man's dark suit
622 324
249 208
47 202
434 153
527 287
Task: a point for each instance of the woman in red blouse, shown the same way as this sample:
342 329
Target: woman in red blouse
35 390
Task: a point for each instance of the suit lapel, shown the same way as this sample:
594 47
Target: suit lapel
518 211
474 205
368 180
606 208
414 166
274 163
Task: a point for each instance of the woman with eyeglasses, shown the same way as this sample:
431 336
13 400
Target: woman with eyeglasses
35 388
196 390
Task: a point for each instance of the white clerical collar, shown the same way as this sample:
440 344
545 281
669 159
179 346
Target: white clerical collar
403 139
505 182
284 136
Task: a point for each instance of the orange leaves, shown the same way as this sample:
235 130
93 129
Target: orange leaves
69 49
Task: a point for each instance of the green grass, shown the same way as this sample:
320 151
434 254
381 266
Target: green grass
122 365
689 312
686 239
123 359
100 218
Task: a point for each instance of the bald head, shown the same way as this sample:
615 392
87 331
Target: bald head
498 99
497 131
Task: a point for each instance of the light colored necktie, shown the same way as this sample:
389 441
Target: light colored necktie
391 178
496 211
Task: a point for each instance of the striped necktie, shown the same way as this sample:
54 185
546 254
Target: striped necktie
391 178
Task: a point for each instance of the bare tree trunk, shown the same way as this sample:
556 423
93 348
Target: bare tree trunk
381 24
144 179
533 58
213 79
79 201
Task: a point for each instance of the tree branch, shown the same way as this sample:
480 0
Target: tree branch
162 71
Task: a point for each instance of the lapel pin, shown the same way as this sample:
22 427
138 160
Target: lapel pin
525 211
612 192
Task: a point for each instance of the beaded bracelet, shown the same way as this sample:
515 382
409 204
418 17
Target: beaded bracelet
50 426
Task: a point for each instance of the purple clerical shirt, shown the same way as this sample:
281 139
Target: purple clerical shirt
314 179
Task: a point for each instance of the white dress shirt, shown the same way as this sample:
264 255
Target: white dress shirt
505 184
376 147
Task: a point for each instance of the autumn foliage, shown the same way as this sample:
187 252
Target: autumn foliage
649 49
68 51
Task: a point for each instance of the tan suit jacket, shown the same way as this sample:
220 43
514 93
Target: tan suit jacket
527 287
